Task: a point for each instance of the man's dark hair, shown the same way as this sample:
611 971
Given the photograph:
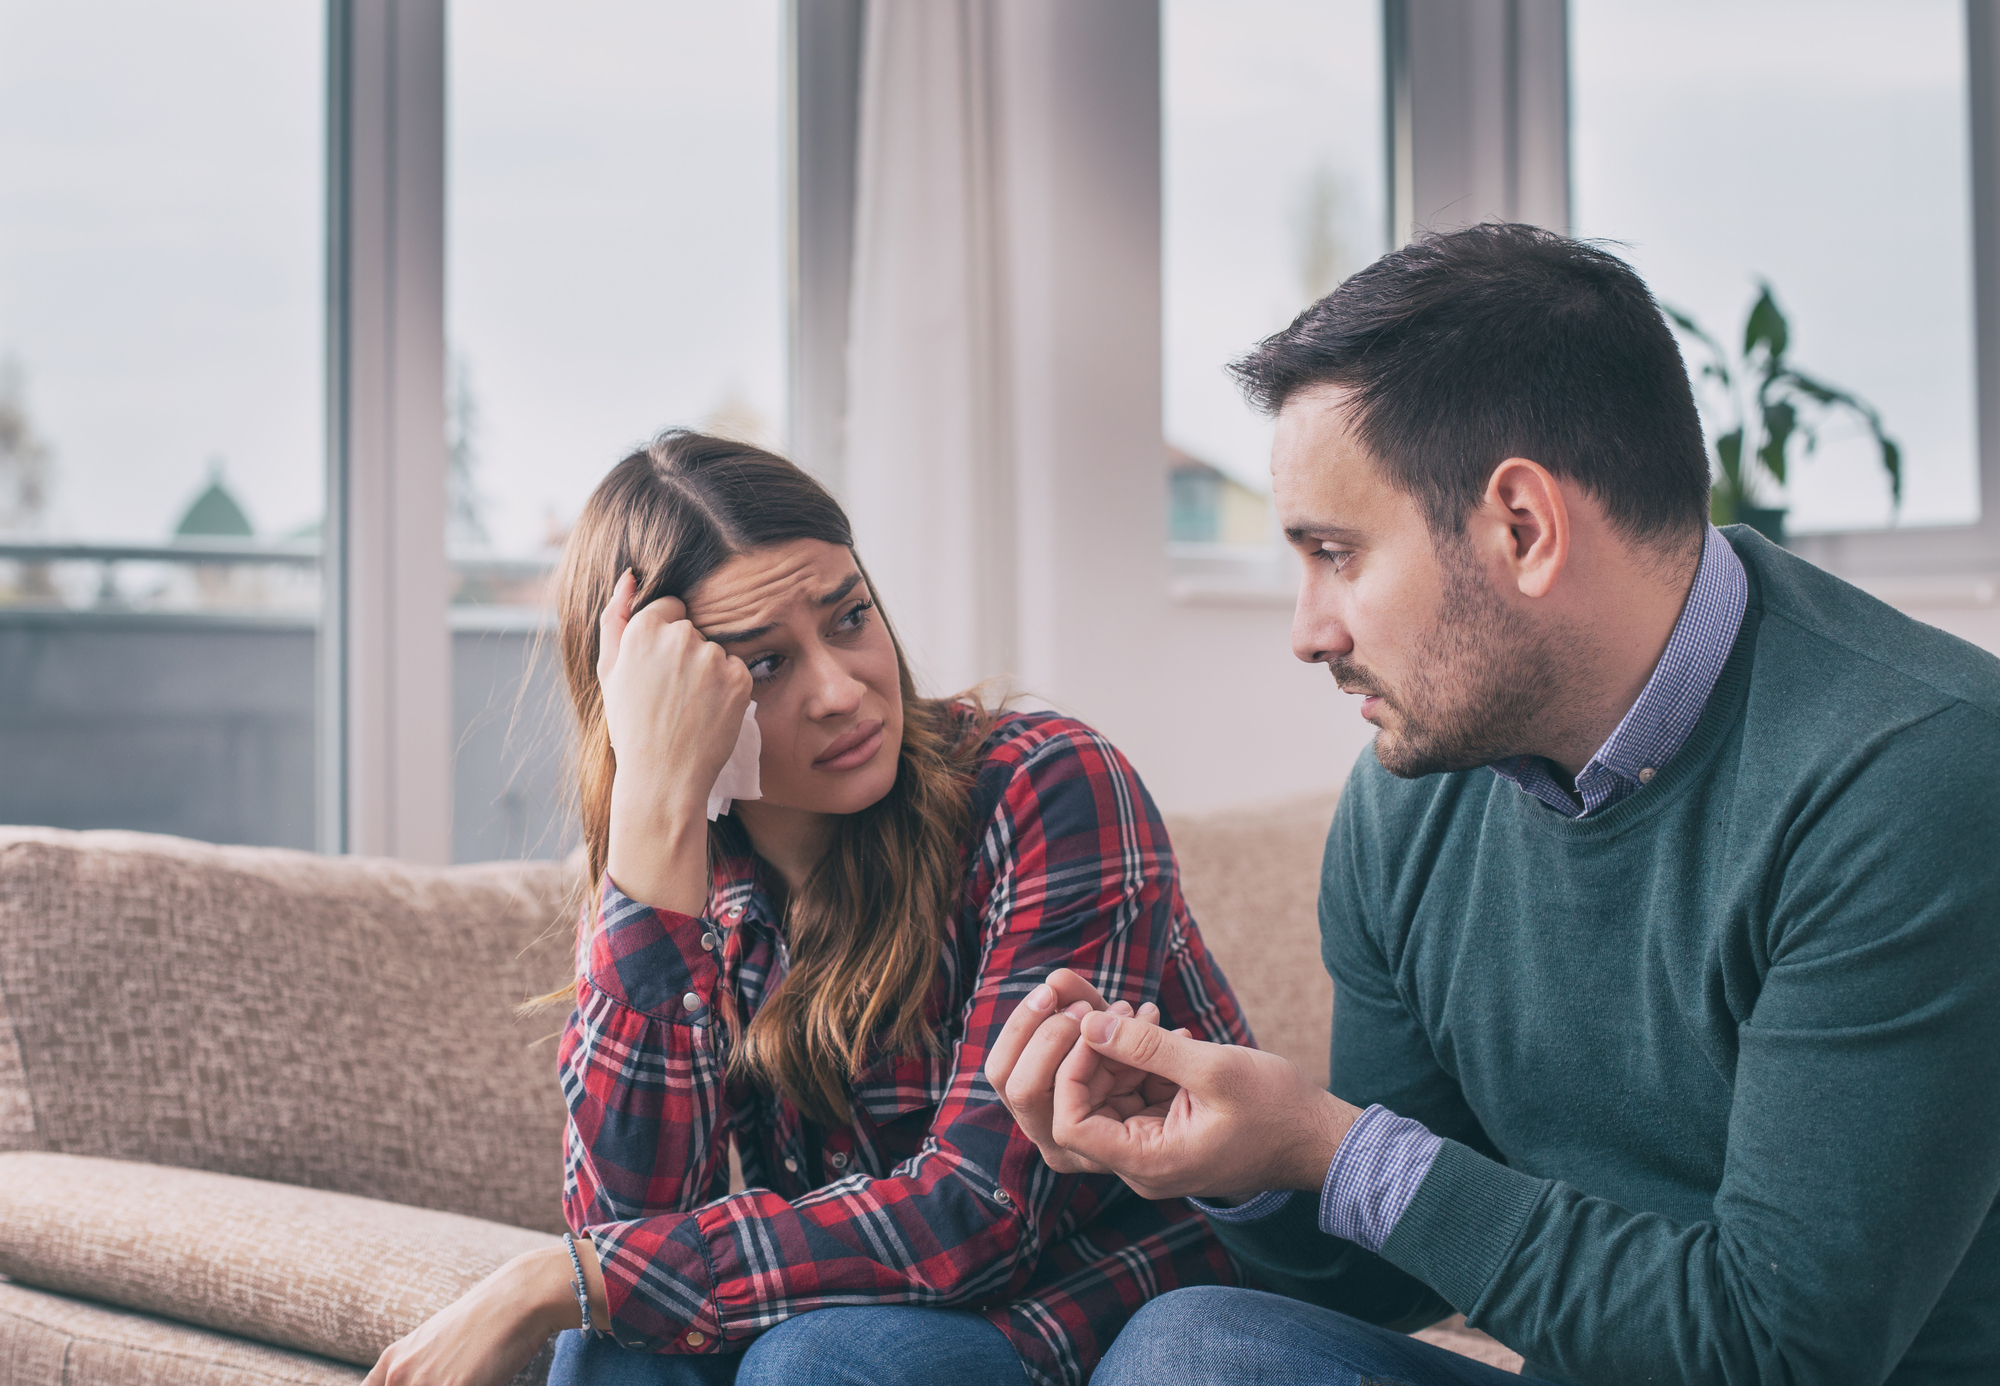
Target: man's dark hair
1466 348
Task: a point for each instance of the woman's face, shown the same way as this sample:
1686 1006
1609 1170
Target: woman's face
828 692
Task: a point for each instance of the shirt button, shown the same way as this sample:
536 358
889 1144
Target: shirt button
791 1165
1646 775
1001 1196
736 913
696 1337
692 1001
838 1159
708 942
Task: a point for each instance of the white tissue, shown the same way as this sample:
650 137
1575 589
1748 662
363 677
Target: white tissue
738 779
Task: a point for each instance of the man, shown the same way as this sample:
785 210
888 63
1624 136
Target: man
1662 918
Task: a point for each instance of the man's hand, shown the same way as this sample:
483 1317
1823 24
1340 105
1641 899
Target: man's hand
1235 1121
1032 1045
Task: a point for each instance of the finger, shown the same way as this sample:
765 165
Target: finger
1034 1008
1123 1008
665 611
1061 989
1071 986
1186 1060
1030 1087
1088 1130
1149 1013
611 625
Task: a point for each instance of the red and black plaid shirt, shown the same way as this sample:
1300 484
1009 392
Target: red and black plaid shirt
931 1196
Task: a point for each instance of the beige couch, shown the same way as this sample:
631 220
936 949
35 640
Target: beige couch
261 1112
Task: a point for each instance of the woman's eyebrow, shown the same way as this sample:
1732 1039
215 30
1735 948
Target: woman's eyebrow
837 593
738 637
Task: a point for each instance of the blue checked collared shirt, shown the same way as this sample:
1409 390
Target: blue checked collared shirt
1385 1157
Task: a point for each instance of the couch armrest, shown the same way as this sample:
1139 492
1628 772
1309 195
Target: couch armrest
301 1268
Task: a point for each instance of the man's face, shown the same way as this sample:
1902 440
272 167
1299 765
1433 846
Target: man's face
1451 674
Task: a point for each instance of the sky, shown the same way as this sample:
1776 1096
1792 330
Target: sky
615 252
615 242
160 253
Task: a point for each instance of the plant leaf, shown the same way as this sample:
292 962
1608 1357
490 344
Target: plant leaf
1779 421
1892 463
1766 327
1729 451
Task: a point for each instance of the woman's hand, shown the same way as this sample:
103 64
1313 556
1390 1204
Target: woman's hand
493 1330
673 704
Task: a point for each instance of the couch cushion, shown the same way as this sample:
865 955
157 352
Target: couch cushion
53 1340
1252 881
336 1022
324 1273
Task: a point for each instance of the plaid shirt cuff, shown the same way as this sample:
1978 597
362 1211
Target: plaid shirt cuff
1374 1175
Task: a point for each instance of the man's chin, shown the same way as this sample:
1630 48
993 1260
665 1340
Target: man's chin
1412 759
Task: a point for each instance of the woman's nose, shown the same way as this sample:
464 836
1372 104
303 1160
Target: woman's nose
835 690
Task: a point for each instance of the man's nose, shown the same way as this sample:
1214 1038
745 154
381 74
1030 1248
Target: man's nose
1318 633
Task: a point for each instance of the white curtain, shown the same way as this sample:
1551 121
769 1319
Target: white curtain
929 468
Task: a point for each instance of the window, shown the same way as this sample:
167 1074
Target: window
1274 193
614 267
160 415
1820 146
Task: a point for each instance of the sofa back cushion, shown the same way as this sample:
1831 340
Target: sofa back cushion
1252 882
336 1022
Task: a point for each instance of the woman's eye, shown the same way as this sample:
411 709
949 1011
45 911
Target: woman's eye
764 668
856 618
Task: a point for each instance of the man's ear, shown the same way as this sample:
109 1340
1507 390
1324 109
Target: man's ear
1525 502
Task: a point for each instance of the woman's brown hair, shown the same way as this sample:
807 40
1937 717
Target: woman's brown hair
865 929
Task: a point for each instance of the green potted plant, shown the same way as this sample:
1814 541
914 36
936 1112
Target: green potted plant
1773 405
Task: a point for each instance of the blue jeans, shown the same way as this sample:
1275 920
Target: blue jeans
1247 1338
865 1345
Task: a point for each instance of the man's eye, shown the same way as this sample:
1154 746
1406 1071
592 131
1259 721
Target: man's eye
1337 557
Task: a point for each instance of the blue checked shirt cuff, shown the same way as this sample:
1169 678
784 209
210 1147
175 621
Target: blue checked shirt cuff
1374 1176
1262 1206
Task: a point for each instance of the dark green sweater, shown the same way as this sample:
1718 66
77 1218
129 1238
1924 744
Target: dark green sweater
1718 1067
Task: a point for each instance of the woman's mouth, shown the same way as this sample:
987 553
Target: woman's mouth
851 750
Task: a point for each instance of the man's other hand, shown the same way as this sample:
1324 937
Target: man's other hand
1032 1045
1234 1121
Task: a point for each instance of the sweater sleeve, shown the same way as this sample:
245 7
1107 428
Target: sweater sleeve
1863 1149
1071 869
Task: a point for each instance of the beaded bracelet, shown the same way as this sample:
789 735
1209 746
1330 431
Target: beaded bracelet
582 1289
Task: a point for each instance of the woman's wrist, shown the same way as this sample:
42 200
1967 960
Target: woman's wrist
545 1283
658 852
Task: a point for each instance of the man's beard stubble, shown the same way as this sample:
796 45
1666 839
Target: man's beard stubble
1481 679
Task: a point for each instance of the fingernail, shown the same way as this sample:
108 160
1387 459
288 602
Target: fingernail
1042 998
1078 1010
1100 1026
1122 1007
1149 1006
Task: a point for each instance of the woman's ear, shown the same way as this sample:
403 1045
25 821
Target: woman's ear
1528 502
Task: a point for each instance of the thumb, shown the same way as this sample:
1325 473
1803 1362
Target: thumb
1173 1055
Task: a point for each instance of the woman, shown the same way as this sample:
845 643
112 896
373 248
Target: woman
817 975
